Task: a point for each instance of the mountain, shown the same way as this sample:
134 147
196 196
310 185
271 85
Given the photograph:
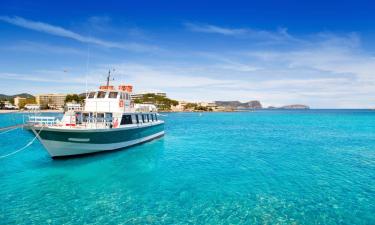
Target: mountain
10 97
238 104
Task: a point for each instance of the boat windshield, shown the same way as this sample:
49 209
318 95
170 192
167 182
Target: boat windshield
113 94
101 94
92 94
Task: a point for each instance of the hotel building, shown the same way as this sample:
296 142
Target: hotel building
19 101
54 101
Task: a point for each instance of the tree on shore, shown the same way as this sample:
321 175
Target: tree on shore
163 103
74 98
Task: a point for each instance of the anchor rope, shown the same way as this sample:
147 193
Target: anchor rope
24 147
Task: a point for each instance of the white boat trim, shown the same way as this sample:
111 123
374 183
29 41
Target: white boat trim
79 139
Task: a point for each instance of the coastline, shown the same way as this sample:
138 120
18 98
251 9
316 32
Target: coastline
5 111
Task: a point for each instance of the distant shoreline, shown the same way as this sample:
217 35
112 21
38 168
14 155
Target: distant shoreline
5 111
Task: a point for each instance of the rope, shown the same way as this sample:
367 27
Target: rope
24 147
9 130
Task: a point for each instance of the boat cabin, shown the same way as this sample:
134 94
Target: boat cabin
110 108
108 99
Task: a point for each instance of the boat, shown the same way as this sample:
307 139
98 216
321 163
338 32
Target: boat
109 120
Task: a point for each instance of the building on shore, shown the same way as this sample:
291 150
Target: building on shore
207 104
19 102
32 107
180 107
53 101
7 105
195 106
140 95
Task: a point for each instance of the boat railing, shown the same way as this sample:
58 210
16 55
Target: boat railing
42 120
98 122
75 108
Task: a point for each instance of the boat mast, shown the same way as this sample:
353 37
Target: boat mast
108 77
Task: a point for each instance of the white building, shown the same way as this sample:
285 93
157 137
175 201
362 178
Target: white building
32 107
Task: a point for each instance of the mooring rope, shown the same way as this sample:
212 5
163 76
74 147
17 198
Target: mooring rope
24 147
9 130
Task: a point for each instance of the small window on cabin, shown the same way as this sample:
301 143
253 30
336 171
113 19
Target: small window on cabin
152 117
113 94
139 116
100 117
126 119
101 94
134 119
85 117
148 118
144 118
92 95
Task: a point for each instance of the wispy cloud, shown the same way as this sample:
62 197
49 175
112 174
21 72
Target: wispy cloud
62 32
278 35
206 28
42 48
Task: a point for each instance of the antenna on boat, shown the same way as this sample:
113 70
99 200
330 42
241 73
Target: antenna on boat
109 77
87 65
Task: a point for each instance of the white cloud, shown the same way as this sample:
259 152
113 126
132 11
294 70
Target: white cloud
206 28
42 48
264 36
62 32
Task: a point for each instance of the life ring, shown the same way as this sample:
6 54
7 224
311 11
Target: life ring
121 103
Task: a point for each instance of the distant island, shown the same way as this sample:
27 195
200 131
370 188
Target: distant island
238 105
296 106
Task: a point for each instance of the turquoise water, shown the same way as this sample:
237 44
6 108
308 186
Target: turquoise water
266 167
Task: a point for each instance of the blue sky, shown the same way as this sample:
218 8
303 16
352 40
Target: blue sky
280 52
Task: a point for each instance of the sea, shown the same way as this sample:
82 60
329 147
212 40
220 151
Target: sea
260 167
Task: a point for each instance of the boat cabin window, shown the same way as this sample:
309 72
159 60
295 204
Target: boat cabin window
112 94
100 117
134 118
78 118
101 94
148 118
108 117
91 94
85 117
152 117
144 118
139 117
126 119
